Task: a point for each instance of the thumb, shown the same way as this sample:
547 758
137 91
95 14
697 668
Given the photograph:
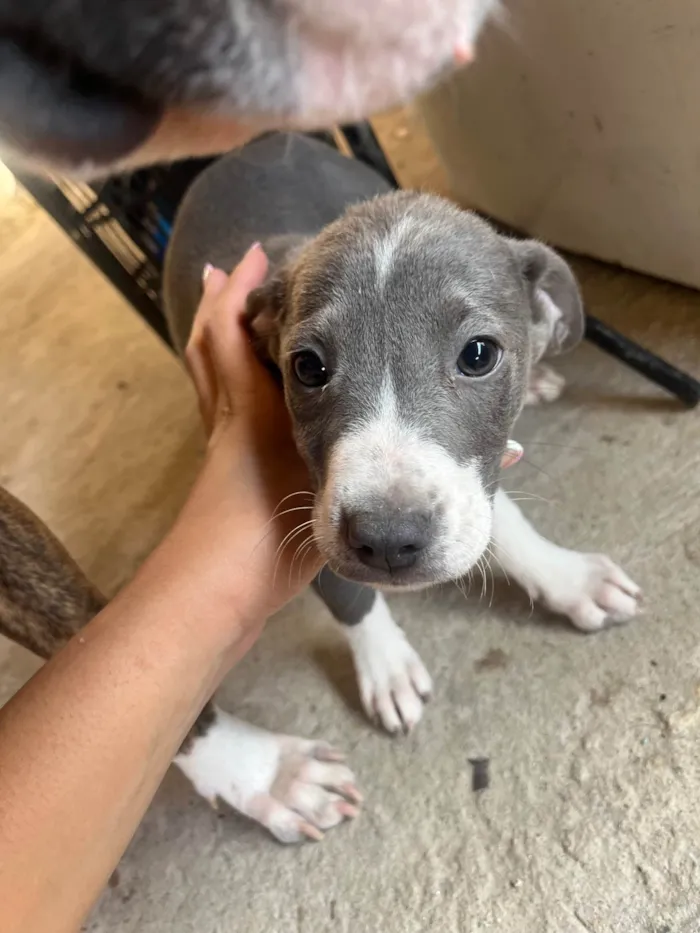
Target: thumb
226 336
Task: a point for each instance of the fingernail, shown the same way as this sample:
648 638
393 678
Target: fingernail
462 54
251 251
512 454
253 248
207 271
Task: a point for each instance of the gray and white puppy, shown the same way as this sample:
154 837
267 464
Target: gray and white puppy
406 333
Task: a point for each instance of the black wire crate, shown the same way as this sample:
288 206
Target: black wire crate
123 224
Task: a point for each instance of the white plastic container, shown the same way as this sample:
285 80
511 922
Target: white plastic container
580 123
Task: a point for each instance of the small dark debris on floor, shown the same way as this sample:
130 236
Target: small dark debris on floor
493 660
114 879
601 697
481 777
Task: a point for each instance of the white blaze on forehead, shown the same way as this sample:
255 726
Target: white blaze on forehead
384 458
387 247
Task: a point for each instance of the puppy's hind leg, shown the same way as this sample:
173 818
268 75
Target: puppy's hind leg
544 385
294 787
588 588
394 684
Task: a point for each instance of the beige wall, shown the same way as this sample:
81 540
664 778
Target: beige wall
580 123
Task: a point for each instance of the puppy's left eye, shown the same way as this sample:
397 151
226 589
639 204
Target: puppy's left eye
310 369
479 357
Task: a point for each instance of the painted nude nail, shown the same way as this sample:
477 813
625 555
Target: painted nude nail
512 454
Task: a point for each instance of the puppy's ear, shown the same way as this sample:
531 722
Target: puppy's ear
57 115
265 314
268 305
557 307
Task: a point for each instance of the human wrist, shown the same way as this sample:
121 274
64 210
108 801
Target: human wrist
190 603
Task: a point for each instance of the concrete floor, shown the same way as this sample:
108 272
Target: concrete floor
591 823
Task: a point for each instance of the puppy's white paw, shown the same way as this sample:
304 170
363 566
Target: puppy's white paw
545 385
588 588
296 788
394 684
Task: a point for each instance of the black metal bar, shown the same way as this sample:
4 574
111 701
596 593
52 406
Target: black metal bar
59 208
365 146
324 137
678 383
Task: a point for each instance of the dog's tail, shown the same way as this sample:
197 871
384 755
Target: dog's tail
45 598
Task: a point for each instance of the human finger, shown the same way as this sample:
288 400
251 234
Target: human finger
229 346
198 358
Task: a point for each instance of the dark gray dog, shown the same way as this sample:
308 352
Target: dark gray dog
88 87
406 333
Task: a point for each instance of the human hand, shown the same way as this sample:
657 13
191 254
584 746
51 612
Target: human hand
247 524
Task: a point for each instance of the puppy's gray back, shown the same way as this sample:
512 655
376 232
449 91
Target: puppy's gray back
279 185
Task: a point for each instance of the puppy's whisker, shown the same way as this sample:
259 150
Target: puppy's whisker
292 534
527 495
560 446
490 554
277 563
303 551
460 586
489 573
288 538
275 515
296 508
299 549
539 469
498 560
301 492
268 526
482 571
468 582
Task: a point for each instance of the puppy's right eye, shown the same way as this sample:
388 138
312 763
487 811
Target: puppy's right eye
479 357
309 369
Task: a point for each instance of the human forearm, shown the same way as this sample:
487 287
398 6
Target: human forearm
85 745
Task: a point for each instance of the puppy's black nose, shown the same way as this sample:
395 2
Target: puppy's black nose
388 542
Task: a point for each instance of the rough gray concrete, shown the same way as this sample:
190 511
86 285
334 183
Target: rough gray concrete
592 820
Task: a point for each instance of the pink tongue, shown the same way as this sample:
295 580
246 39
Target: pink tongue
512 454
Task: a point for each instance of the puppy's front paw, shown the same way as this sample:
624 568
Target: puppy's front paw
545 385
296 788
394 684
588 588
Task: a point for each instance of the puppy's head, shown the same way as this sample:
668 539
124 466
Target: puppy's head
88 89
405 333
